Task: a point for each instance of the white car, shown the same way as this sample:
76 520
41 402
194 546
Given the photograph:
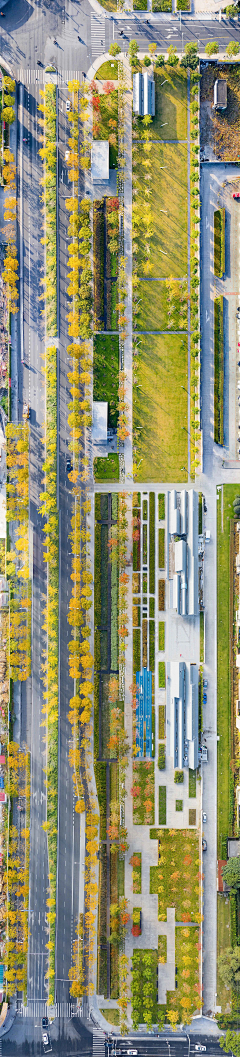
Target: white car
132 1053
204 817
199 1048
68 105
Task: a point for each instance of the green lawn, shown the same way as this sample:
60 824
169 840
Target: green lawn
153 309
168 246
106 469
108 71
109 113
223 674
171 104
105 373
223 941
159 408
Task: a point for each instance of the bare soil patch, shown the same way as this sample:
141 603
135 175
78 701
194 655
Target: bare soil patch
220 131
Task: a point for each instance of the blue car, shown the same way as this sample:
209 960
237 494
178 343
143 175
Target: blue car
204 699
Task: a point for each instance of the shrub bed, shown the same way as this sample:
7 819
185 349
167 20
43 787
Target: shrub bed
152 645
98 264
179 805
152 542
178 851
161 757
178 777
105 373
143 792
218 370
192 782
161 722
161 635
106 469
136 863
161 5
219 242
161 506
161 548
161 675
161 595
162 805
144 987
136 650
140 5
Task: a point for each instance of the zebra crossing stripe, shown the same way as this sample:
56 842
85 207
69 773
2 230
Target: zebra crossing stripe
97 35
98 1044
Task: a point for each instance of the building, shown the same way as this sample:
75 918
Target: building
100 160
220 94
233 847
143 94
182 714
183 562
100 422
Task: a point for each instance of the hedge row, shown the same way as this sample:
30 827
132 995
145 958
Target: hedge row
98 263
161 548
152 542
161 506
161 595
162 810
161 722
219 242
218 370
161 757
152 645
161 675
136 650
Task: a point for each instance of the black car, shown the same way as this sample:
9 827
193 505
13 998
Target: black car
45 1022
69 465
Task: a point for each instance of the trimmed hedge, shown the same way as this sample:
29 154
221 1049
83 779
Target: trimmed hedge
161 757
162 805
161 595
140 5
152 543
136 650
161 635
161 721
152 645
98 263
218 370
152 607
161 548
161 506
161 675
219 242
161 5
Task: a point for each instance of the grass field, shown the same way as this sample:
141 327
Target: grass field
105 373
153 310
171 104
168 249
108 71
223 674
223 941
161 402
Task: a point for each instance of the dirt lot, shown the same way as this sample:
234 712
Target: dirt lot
220 132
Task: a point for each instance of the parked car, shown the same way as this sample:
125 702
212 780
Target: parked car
132 1053
236 194
204 817
68 105
204 506
26 411
69 465
204 844
238 312
199 1048
205 683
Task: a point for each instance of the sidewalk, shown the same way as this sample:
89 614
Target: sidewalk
128 259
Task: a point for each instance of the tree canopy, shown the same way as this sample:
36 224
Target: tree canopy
231 872
229 968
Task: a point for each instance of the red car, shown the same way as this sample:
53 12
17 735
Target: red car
236 194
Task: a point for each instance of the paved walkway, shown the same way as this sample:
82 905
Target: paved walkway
128 259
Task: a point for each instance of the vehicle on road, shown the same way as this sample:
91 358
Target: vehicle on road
204 844
204 817
132 1053
46 1041
39 63
69 465
205 683
205 506
236 194
26 411
204 699
68 106
44 1022
199 1048
238 312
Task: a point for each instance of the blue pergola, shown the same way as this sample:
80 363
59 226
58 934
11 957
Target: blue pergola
144 714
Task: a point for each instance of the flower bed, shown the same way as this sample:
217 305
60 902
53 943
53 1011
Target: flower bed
161 595
136 862
161 636
219 242
218 370
143 792
152 542
161 506
161 548
176 878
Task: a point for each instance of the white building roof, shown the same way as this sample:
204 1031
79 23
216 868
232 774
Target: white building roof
100 421
100 160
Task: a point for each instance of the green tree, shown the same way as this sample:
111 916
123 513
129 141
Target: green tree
114 49
172 56
190 57
159 60
133 53
231 872
212 48
231 11
147 61
229 967
232 48
231 1042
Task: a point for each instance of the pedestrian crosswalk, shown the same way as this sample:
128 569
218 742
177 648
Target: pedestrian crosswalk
97 35
38 76
38 1009
98 1043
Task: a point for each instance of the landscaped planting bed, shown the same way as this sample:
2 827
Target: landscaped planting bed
162 5
178 863
105 115
140 5
108 70
161 757
162 375
105 373
192 783
152 645
111 261
192 816
186 999
168 249
218 370
162 950
98 264
219 242
179 777
161 635
161 548
224 750
161 506
144 987
136 650
143 792
161 674
161 721
162 807
144 642
152 542
179 805
136 862
161 595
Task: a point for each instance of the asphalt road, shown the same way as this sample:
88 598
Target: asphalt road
179 1044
